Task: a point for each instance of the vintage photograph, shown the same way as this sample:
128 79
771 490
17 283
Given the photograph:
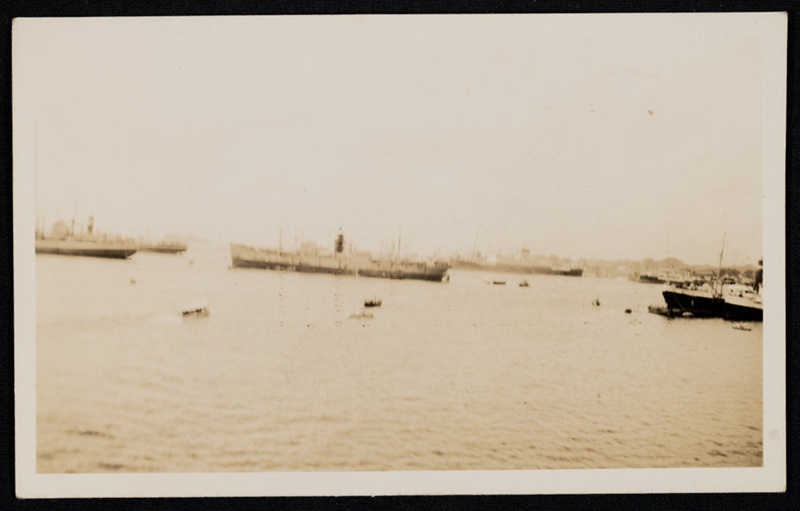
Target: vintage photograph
413 247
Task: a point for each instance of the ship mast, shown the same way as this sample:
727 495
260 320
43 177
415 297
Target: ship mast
719 269
74 208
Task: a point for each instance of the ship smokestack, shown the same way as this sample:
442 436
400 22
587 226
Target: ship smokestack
339 246
759 277
90 227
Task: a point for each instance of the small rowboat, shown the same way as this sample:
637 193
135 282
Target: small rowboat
197 310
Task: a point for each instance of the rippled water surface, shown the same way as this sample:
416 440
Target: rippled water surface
452 376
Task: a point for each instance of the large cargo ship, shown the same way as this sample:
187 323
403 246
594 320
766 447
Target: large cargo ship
338 263
63 241
516 267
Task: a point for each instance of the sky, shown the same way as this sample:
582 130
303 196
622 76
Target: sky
597 137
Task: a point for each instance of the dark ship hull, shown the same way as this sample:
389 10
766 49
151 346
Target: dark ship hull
706 305
695 303
743 310
85 248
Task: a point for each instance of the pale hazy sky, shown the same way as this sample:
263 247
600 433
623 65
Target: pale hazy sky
580 136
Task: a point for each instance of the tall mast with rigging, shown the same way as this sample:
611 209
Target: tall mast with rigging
719 269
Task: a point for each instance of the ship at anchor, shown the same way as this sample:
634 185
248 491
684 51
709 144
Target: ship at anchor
312 260
63 240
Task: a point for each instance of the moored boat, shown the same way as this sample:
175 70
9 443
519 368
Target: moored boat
647 278
90 248
719 298
63 241
670 277
517 267
702 302
197 310
164 247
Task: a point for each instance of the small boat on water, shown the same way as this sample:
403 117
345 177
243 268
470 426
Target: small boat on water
498 282
374 302
740 326
663 311
196 310
524 283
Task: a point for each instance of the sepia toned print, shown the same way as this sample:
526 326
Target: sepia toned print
413 248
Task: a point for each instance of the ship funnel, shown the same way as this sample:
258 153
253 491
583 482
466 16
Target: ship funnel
90 226
759 276
339 242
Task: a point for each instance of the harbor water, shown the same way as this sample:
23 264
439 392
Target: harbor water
458 376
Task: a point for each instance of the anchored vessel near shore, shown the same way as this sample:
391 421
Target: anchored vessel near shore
63 241
164 247
337 263
647 278
700 302
516 267
734 302
717 299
